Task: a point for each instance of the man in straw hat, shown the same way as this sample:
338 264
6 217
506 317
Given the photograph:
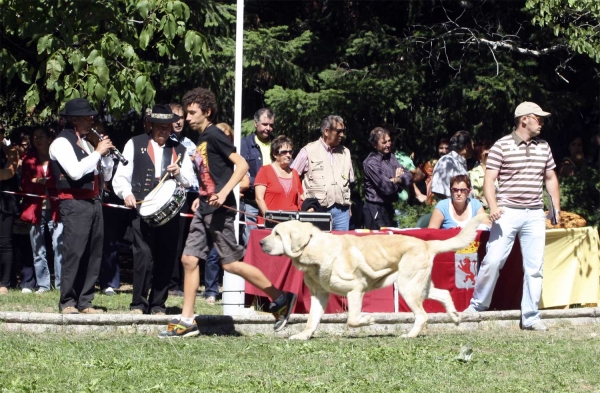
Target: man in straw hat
521 162
151 156
77 167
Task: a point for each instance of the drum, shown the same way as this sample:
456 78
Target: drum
163 203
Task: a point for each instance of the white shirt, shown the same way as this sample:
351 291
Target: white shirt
448 166
62 151
122 181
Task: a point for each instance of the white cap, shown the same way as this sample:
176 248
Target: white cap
530 108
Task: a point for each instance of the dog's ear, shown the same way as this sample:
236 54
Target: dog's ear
294 238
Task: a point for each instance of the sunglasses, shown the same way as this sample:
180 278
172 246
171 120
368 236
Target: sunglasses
540 120
339 130
282 152
460 190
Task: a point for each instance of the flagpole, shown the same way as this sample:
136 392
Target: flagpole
233 285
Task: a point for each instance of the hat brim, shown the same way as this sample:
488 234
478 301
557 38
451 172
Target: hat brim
79 113
172 120
542 113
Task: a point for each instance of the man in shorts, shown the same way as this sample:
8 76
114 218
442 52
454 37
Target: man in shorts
215 160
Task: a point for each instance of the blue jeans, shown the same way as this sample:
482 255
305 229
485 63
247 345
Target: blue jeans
340 216
38 244
251 219
212 269
530 226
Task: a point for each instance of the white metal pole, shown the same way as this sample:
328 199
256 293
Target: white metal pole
234 285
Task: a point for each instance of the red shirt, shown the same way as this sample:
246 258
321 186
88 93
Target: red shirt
275 195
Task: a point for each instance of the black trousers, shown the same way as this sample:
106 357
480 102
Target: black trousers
154 253
6 248
83 236
378 215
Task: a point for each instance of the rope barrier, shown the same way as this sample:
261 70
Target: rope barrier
187 215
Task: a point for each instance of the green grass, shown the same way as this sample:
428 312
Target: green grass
562 360
117 304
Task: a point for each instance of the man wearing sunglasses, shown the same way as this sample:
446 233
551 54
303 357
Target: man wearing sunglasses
256 150
327 170
521 163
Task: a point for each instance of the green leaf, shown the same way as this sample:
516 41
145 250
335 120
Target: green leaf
76 60
92 56
113 98
140 84
32 98
101 70
128 51
143 8
91 85
44 43
145 37
99 91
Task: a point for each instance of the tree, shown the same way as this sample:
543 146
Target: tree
110 51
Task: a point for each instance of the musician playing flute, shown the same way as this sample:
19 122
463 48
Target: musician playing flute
151 156
80 170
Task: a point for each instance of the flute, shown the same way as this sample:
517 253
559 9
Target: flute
114 151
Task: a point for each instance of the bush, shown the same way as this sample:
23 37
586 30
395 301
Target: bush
580 194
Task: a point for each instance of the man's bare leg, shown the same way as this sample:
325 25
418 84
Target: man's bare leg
251 274
191 282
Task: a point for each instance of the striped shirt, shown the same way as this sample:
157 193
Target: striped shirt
521 170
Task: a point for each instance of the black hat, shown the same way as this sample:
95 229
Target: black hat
162 114
78 107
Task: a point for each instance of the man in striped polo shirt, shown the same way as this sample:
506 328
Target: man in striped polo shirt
521 163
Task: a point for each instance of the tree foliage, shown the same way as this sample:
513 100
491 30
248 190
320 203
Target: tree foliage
577 22
108 51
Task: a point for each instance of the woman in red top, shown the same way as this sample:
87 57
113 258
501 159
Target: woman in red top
37 178
277 186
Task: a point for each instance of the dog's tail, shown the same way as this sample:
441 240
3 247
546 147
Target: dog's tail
460 241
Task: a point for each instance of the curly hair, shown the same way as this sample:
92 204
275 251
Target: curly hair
204 98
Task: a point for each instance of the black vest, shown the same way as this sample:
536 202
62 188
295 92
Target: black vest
143 179
62 179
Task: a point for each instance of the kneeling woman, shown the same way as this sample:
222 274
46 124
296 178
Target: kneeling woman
457 210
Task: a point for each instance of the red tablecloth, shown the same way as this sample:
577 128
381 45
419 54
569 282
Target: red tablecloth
285 276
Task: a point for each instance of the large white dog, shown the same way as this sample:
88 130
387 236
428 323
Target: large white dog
351 266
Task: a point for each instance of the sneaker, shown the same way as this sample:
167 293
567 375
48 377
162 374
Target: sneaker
3 291
470 310
109 291
136 311
26 290
282 312
537 326
176 293
159 313
178 328
211 299
41 290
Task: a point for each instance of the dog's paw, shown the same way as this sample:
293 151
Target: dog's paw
362 320
455 316
300 336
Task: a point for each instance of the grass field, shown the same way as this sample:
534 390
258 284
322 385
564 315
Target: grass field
562 360
48 303
565 359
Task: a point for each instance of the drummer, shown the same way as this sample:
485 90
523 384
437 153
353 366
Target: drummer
150 157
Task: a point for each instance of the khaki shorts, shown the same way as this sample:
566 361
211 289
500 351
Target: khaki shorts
218 229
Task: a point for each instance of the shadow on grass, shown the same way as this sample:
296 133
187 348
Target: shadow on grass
217 325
